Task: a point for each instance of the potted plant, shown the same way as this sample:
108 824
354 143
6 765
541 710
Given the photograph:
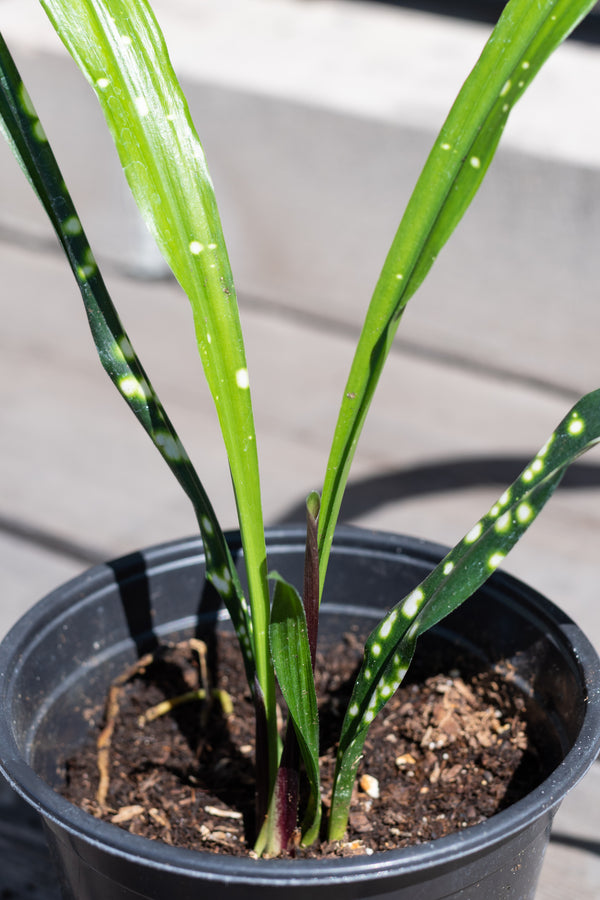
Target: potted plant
119 47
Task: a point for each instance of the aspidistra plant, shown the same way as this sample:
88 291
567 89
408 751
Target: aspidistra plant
119 47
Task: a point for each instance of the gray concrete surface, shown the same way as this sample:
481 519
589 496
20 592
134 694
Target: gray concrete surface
314 136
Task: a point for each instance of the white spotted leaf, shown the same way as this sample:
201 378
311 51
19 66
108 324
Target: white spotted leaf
389 648
23 130
120 49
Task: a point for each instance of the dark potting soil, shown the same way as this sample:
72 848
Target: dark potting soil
447 751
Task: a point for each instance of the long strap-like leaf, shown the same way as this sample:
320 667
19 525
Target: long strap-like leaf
390 647
525 36
120 49
26 136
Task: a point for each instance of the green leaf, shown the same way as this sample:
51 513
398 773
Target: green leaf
292 660
120 49
390 646
525 36
23 130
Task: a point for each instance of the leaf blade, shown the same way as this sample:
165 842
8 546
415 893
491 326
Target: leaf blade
525 36
23 130
120 49
465 568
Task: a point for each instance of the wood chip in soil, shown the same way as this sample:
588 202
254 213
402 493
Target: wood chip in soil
447 752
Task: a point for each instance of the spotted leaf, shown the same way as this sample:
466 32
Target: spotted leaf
390 646
120 49
526 34
22 128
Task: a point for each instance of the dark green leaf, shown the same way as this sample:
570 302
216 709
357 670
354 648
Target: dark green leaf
25 134
120 49
389 648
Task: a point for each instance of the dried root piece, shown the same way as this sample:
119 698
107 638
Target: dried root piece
202 693
105 737
166 706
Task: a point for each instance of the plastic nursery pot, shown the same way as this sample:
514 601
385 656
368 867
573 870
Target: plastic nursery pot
62 655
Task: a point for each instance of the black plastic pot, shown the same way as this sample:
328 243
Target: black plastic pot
64 652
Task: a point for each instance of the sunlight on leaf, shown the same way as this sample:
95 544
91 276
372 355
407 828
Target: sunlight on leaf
525 36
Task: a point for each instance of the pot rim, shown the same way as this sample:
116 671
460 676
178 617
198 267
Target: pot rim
473 841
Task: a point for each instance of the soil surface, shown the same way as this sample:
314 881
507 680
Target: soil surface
447 751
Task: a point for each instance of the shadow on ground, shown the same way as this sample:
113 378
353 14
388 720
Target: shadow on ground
442 477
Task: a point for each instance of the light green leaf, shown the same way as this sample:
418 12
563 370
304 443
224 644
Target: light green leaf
23 130
390 646
526 34
120 49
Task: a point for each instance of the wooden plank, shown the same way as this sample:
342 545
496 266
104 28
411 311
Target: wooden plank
572 863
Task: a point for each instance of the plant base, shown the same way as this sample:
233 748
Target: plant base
450 750
65 652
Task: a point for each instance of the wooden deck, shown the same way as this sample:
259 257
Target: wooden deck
502 339
79 483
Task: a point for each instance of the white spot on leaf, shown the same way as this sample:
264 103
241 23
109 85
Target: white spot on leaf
131 387
223 585
576 426
241 379
504 522
170 445
411 605
495 560
474 533
72 225
524 512
126 348
384 631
